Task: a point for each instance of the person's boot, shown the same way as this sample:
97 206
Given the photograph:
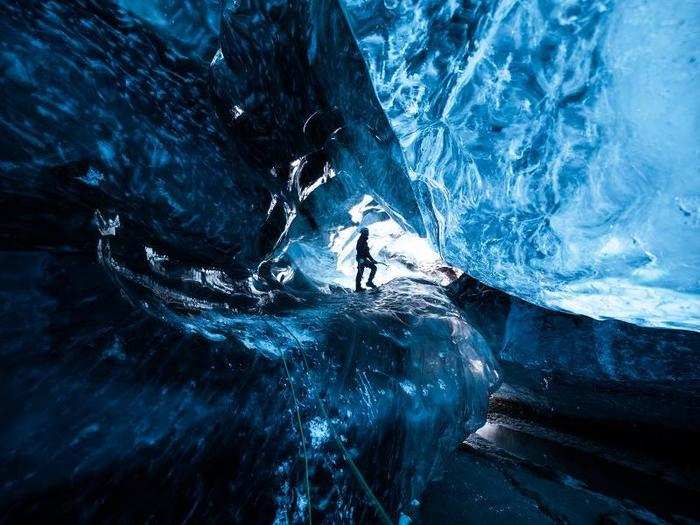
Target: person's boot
359 289
371 285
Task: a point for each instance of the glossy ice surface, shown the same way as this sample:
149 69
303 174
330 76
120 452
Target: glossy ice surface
182 184
553 146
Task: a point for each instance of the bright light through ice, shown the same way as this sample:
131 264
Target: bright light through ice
653 306
405 254
488 431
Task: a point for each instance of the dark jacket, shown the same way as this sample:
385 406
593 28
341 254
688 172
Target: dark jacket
363 249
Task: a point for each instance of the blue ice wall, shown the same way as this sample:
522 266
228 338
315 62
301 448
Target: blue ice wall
189 26
154 360
552 145
565 365
104 113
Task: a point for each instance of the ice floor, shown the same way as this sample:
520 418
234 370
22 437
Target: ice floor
524 469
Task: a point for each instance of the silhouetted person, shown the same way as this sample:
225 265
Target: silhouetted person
364 260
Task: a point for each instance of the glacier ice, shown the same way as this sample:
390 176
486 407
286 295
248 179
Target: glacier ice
190 27
182 183
293 407
575 366
552 146
199 355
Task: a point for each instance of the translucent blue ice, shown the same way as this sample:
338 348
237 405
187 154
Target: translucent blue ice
552 146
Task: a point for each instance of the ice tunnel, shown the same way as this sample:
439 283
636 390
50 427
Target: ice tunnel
182 188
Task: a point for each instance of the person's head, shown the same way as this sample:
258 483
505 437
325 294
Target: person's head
364 232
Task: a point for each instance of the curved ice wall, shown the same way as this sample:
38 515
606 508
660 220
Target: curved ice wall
190 369
552 146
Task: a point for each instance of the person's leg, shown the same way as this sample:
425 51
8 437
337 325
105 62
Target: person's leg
358 277
372 271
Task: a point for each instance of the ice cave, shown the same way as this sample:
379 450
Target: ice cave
189 188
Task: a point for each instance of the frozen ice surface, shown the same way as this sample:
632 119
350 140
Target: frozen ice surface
345 403
552 146
565 364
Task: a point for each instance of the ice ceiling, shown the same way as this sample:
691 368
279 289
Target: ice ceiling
549 155
548 149
539 150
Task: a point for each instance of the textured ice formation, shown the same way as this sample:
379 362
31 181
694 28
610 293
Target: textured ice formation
181 189
552 146
94 89
190 26
571 365
170 348
341 407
